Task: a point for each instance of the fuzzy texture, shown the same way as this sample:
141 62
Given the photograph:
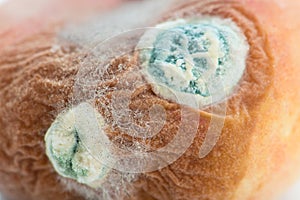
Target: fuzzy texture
199 58
257 148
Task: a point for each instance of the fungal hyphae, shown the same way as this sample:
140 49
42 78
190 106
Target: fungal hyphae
193 62
197 60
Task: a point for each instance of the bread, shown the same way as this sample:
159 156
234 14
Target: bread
254 156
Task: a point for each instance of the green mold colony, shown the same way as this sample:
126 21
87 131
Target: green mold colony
68 155
203 59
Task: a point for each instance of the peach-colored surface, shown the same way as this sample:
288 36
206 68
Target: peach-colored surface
257 153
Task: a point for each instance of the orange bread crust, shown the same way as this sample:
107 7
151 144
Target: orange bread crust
257 146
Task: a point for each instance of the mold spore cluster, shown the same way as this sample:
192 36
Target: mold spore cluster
201 59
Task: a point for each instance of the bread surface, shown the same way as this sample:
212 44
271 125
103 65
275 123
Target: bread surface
257 151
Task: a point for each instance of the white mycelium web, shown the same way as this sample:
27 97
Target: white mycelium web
194 62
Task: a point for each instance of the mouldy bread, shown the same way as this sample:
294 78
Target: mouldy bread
116 100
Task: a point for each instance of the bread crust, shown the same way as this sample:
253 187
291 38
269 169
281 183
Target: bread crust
260 133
